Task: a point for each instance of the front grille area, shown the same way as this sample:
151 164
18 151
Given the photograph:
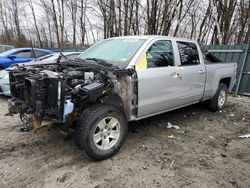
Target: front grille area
35 93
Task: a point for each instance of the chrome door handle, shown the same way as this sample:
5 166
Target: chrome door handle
175 75
201 71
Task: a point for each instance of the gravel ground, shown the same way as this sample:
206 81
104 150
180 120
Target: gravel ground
205 152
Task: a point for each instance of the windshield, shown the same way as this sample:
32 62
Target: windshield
116 51
6 53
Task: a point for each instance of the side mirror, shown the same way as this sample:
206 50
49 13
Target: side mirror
12 57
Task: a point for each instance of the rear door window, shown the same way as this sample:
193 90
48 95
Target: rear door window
188 53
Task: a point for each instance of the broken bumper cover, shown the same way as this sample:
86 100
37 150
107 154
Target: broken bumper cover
19 106
33 122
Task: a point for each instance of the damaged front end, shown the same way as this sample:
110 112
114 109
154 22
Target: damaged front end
49 94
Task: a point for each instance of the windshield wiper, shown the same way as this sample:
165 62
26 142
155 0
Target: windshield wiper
97 60
60 57
101 61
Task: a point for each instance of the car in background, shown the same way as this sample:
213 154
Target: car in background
21 55
54 57
4 48
51 58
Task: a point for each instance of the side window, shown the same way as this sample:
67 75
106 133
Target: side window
39 53
188 53
160 54
24 54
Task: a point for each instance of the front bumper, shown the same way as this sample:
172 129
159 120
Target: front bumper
30 121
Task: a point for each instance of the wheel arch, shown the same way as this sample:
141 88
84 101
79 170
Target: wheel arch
114 99
226 81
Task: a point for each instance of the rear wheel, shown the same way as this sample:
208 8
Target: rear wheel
219 101
101 131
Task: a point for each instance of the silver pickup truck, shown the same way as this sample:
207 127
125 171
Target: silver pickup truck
116 81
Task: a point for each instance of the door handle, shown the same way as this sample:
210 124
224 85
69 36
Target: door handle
201 71
175 75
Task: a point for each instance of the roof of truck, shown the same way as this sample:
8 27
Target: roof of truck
146 37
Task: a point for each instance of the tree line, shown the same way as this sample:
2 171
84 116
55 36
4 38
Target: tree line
79 23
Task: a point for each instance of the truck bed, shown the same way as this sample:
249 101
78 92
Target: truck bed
217 71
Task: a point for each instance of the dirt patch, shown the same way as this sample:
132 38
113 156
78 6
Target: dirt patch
204 152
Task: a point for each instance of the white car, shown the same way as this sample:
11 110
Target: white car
4 83
51 58
54 57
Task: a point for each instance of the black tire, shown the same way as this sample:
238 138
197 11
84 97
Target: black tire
87 125
213 103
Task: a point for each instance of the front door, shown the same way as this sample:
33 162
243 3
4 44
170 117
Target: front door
159 83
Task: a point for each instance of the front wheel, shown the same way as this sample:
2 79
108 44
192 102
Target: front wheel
101 131
219 101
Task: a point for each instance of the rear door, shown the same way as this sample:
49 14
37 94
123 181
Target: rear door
192 70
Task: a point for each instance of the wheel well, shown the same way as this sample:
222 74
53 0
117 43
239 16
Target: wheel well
114 99
226 81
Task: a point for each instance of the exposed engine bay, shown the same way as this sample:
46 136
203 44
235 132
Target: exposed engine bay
59 92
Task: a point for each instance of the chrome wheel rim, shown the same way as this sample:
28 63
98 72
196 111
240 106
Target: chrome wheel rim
106 133
222 98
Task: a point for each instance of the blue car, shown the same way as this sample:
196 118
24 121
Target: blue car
21 55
